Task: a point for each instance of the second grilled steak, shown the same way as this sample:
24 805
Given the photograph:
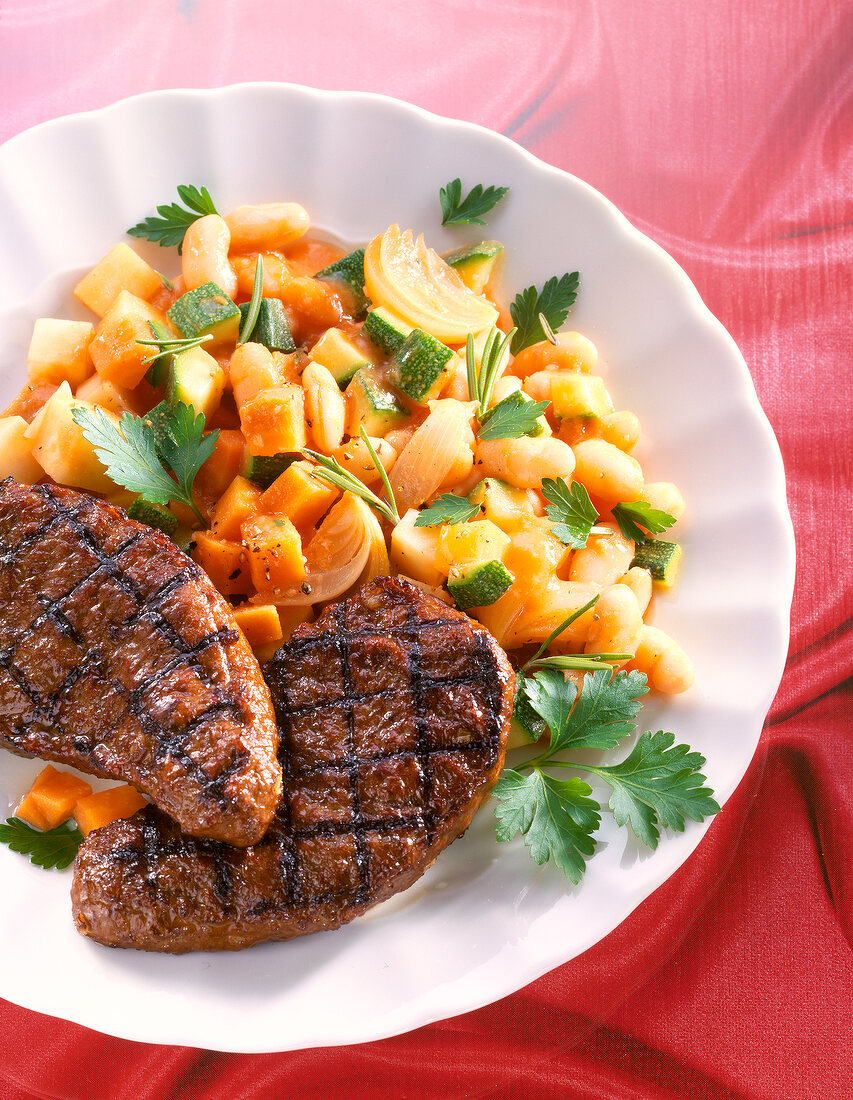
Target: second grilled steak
118 656
393 711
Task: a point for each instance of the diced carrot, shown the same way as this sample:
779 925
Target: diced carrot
115 349
275 552
222 467
225 562
239 501
259 622
121 269
226 418
32 398
52 798
300 495
274 420
101 808
288 365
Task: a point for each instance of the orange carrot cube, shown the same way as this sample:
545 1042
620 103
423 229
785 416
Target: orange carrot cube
300 495
259 622
115 349
223 465
52 798
224 561
101 808
239 501
273 422
274 548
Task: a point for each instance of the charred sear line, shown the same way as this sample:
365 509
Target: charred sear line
362 856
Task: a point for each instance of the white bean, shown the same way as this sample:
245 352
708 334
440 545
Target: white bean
524 462
267 226
664 662
617 624
504 387
325 409
664 495
204 258
608 473
639 580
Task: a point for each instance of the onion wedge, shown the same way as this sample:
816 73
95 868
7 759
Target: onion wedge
335 558
411 279
431 453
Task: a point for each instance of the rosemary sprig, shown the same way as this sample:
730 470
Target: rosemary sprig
251 318
556 633
169 345
481 382
336 475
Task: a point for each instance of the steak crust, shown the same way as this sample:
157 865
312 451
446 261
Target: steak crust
393 711
119 657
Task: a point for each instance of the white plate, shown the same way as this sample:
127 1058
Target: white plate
485 920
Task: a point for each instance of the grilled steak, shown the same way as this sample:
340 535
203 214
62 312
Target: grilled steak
393 711
118 656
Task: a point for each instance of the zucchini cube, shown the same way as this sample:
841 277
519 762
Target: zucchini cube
207 311
419 365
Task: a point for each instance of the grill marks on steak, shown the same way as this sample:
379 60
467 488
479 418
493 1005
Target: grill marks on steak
118 656
393 711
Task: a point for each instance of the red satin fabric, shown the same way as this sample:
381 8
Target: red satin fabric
723 130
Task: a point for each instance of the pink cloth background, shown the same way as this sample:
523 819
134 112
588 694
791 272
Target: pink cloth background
723 131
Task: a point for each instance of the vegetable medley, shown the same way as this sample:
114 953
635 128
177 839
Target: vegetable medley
302 419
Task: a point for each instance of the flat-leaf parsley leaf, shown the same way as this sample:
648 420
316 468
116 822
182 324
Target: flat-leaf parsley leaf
175 220
634 516
468 211
448 508
553 302
53 848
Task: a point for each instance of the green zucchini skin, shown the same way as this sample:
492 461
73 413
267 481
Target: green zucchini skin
385 331
264 469
272 328
206 310
417 367
661 558
153 515
349 269
372 407
480 584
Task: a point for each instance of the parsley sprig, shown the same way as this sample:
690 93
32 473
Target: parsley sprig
658 785
157 456
636 518
552 302
53 848
468 211
571 511
169 228
448 508
511 418
330 470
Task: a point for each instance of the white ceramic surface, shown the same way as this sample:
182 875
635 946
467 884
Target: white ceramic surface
485 920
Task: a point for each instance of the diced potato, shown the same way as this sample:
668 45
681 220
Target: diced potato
414 550
115 349
197 379
60 447
16 452
275 552
121 269
59 351
464 543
